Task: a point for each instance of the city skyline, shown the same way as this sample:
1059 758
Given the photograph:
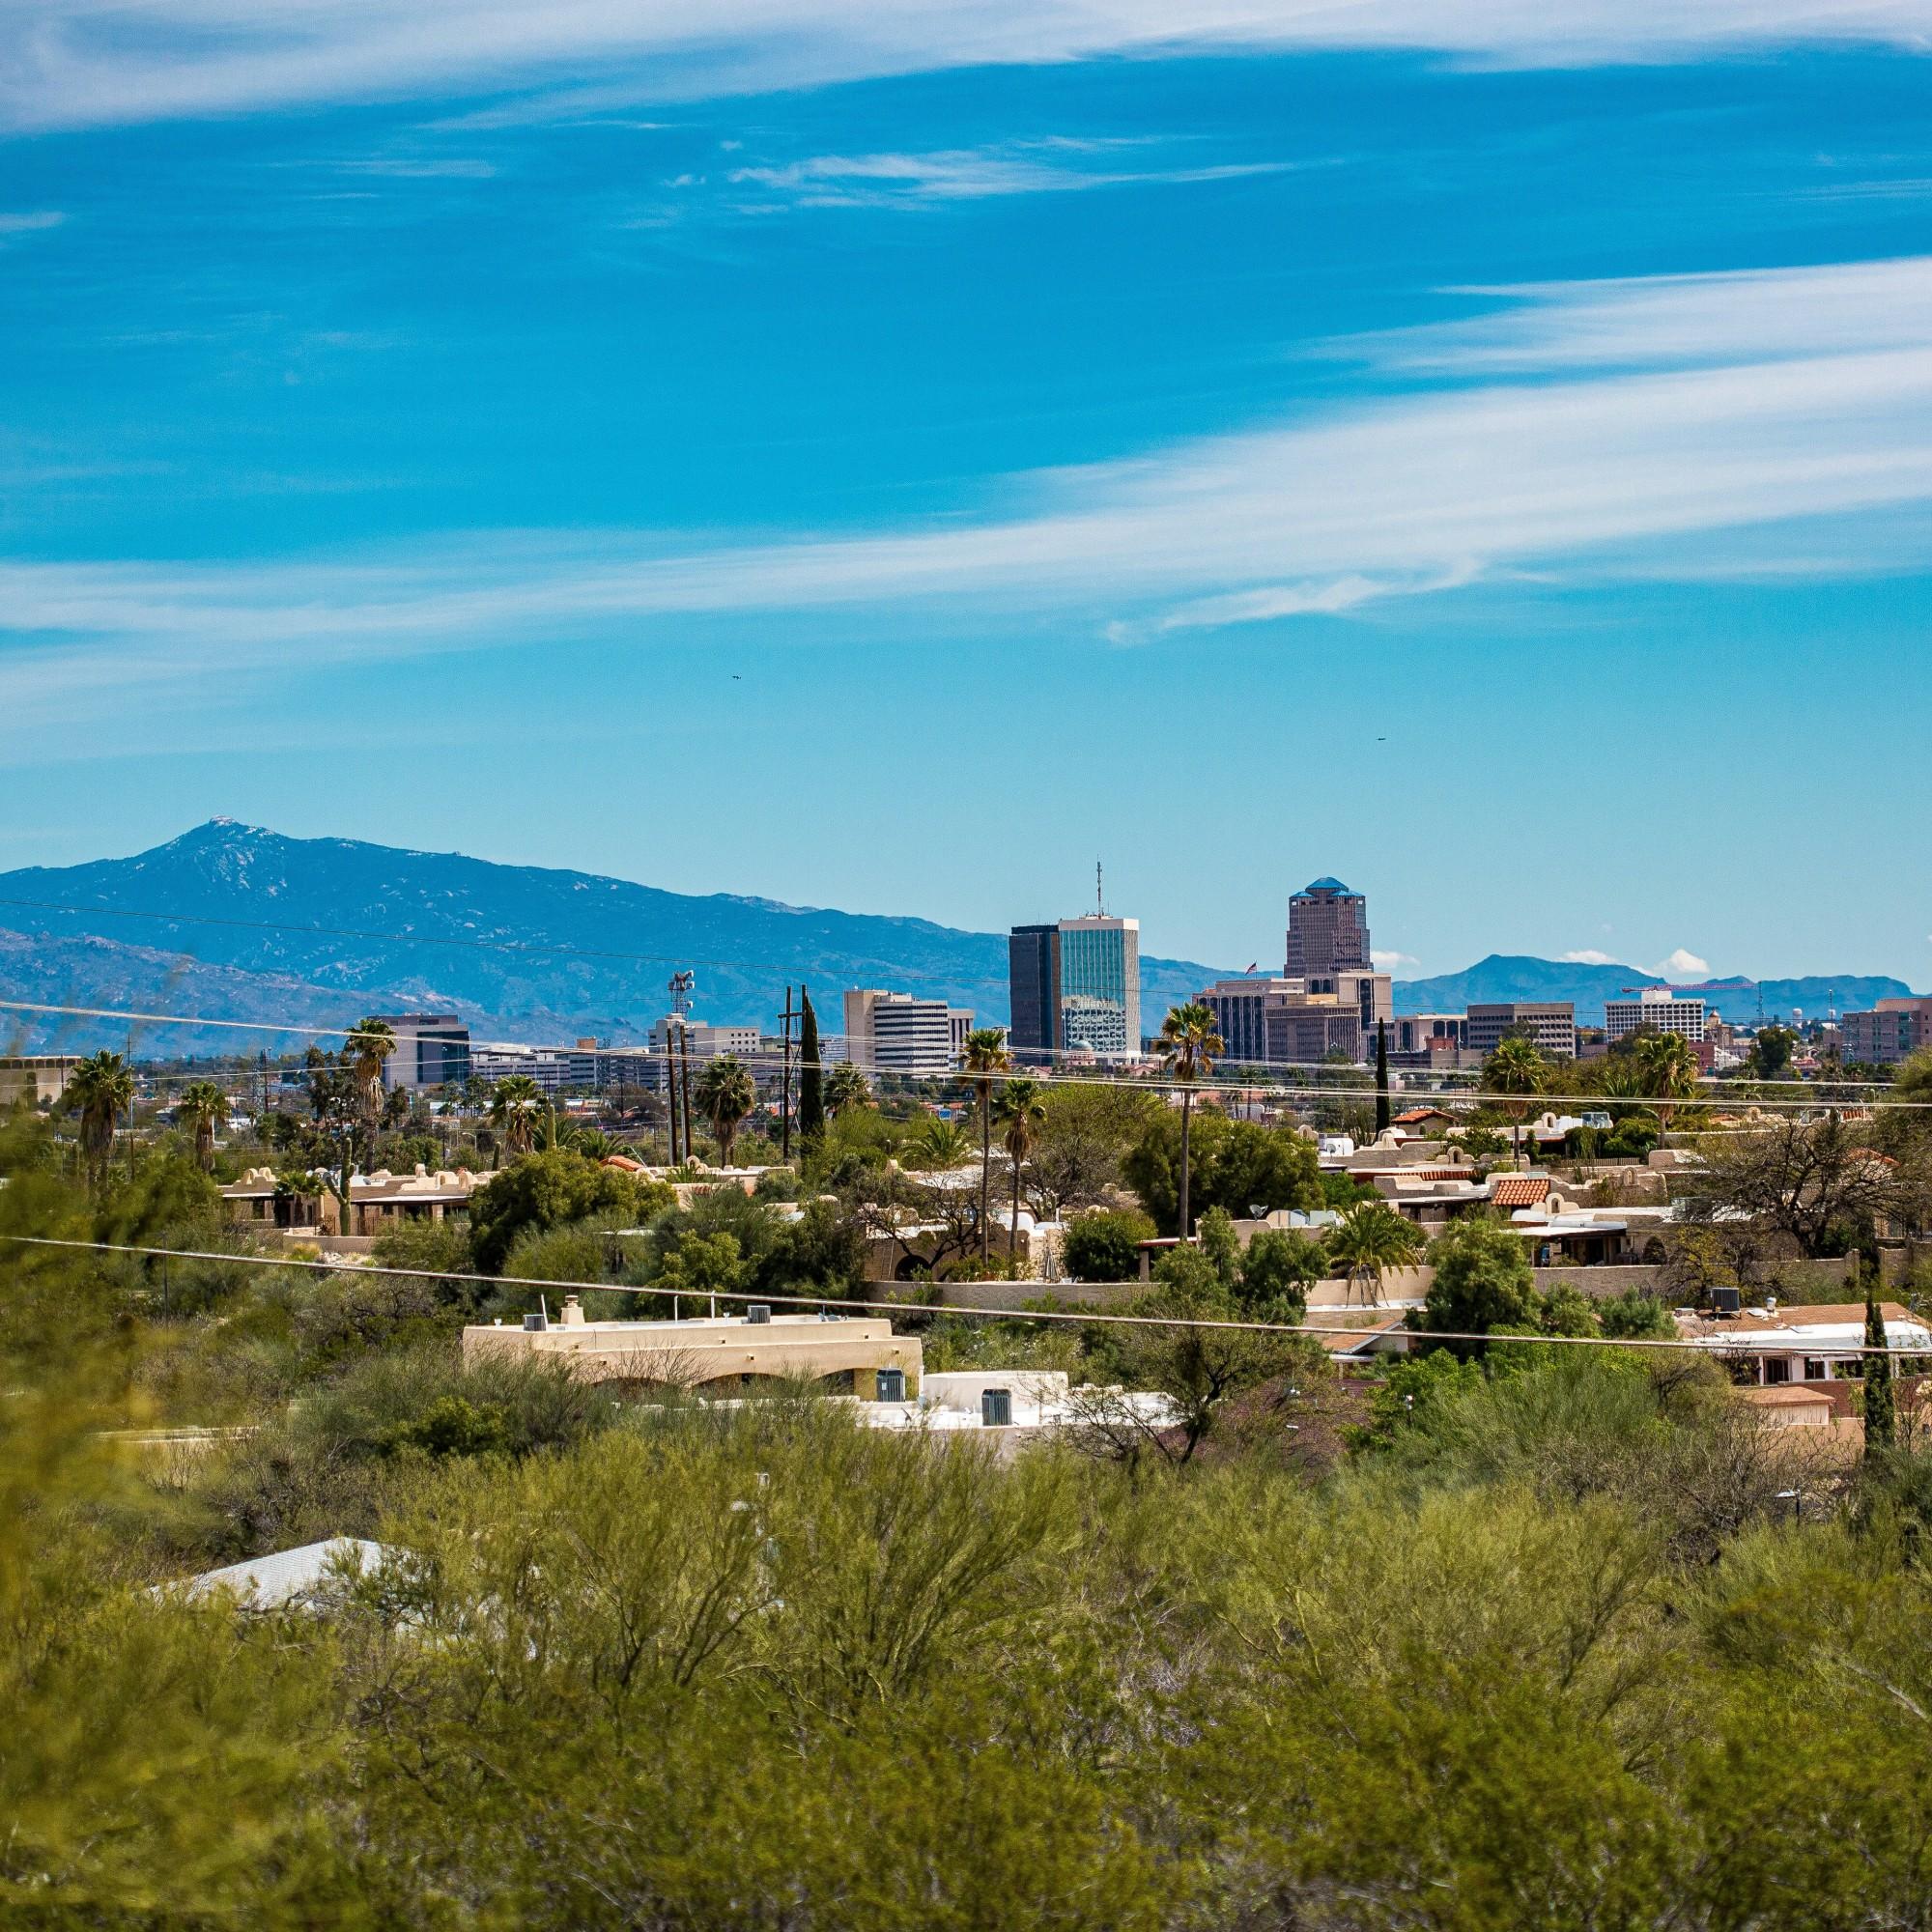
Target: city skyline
1518 430
234 848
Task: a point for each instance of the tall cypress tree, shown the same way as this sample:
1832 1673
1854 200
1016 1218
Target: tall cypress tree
1383 1112
1881 1400
810 1078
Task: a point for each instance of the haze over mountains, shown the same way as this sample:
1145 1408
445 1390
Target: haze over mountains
237 923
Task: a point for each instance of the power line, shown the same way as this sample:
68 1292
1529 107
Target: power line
1705 1345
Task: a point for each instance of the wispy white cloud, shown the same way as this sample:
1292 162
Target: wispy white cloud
426 168
1313 599
1388 962
77 62
1658 468
1586 955
972 174
35 223
1757 315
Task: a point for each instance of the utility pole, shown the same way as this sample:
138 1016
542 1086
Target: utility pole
680 988
784 1086
684 1061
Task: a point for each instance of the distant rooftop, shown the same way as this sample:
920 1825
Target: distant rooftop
304 1578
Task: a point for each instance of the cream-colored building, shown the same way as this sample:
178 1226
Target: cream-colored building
34 1077
376 1200
856 1355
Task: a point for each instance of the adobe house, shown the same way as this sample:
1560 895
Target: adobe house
848 1356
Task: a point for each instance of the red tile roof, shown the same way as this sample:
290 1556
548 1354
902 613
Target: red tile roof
1519 1190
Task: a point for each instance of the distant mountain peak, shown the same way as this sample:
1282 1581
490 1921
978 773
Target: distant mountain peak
527 951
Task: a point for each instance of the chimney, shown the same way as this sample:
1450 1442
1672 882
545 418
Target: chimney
573 1312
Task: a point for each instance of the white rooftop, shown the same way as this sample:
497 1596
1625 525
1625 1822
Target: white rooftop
299 1578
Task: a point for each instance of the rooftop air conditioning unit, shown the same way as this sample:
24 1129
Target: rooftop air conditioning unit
1724 1301
996 1409
758 1310
890 1384
534 1324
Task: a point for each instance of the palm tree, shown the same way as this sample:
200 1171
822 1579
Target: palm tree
1189 1042
1023 1112
1368 1241
938 1145
201 1108
725 1095
1516 1066
516 1103
100 1087
1668 1070
986 1056
369 1043
845 1086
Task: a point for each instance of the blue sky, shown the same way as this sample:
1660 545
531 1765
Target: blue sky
888 459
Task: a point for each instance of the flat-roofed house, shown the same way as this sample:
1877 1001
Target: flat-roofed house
856 1355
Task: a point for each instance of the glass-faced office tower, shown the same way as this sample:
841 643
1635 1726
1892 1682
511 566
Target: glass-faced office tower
1075 988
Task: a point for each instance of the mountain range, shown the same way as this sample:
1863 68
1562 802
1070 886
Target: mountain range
1523 977
232 922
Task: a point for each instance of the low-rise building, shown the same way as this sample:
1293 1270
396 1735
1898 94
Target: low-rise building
1550 1024
1793 1404
1887 1033
696 1041
377 1201
1656 1009
37 1078
260 1200
856 1355
1773 1346
1427 1040
497 1060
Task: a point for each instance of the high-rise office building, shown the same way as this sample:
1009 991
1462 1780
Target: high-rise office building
1033 980
1327 930
1240 1006
894 1033
1100 985
1075 988
1326 1014
432 1050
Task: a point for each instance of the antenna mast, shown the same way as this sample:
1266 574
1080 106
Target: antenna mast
1099 894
